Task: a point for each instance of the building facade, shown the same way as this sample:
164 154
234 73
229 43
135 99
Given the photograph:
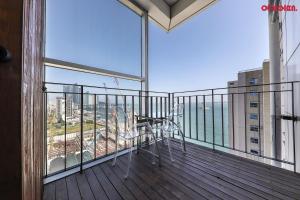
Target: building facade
246 116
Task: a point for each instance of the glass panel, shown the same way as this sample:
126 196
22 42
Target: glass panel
94 33
227 137
55 132
111 138
208 113
73 127
218 119
186 117
88 126
121 120
101 126
200 118
73 77
193 118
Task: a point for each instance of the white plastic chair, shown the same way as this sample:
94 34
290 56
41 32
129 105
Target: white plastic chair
127 132
170 126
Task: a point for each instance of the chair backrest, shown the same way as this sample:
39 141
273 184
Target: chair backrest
175 117
176 112
126 123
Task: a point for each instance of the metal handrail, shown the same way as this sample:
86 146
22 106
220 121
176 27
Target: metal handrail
160 106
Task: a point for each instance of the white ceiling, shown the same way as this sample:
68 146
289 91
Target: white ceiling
170 13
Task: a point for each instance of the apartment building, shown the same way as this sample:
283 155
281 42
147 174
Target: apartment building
64 106
73 93
246 110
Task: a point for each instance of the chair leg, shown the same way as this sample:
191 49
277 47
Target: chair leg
153 153
170 150
182 142
162 137
129 162
157 150
116 152
137 144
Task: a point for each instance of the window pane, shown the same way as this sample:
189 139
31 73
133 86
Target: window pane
103 34
73 77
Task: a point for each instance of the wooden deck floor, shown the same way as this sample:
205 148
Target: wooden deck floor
200 174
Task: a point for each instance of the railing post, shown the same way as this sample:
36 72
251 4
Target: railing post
222 113
45 128
95 125
294 137
65 148
275 125
232 120
125 110
197 126
169 103
245 121
178 100
81 129
140 103
116 122
204 118
259 124
183 120
156 115
213 117
106 124
190 118
171 106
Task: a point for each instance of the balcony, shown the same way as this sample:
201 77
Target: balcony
61 65
221 161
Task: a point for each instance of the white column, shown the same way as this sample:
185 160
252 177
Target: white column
274 48
145 66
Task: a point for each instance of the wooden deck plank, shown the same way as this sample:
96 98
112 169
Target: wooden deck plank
176 187
214 185
109 189
49 191
123 191
72 187
180 183
96 188
61 192
199 174
152 180
151 193
251 165
279 190
242 165
130 185
264 182
84 187
233 178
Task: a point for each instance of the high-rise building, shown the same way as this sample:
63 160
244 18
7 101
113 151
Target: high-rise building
64 107
86 99
60 108
246 103
69 106
74 92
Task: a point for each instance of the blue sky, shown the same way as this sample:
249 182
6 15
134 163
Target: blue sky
204 52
